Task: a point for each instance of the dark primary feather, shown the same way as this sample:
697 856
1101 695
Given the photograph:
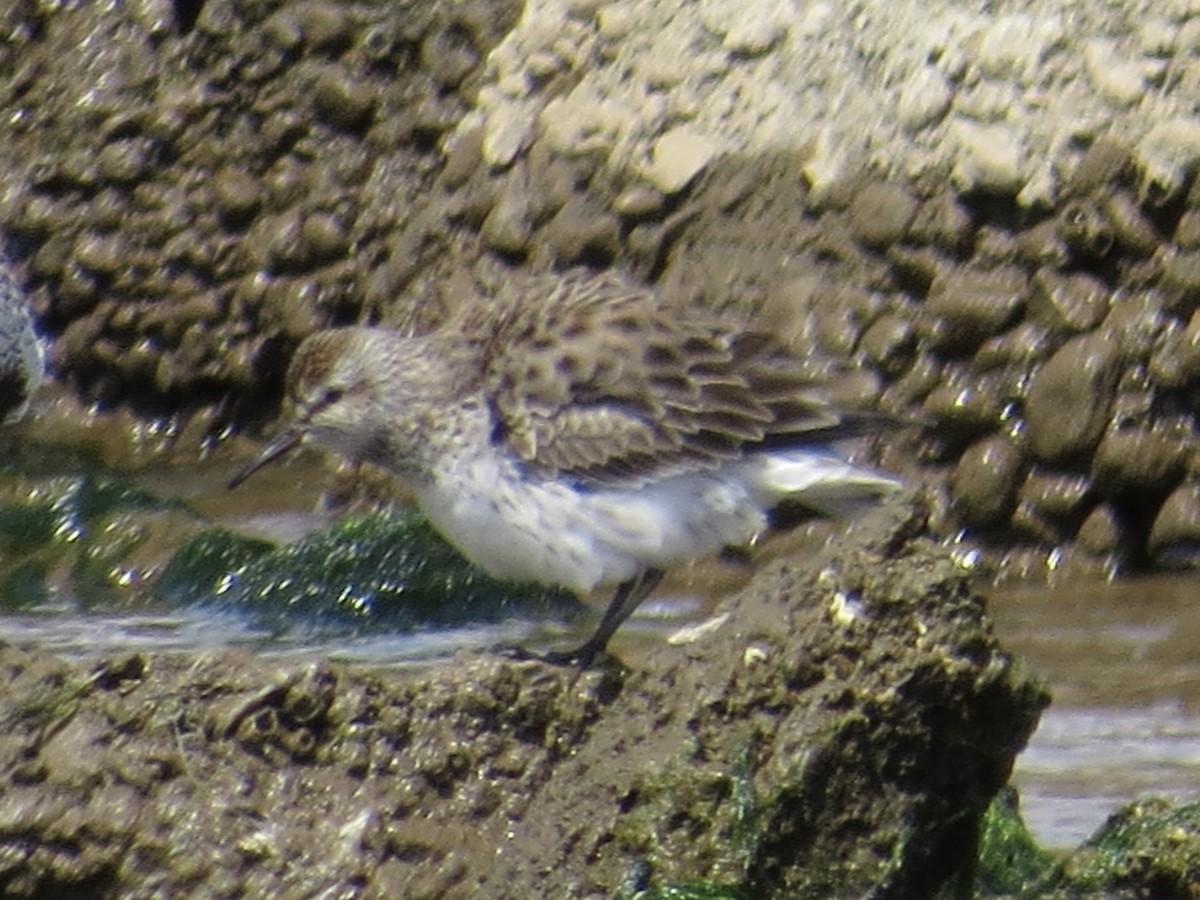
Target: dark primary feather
591 377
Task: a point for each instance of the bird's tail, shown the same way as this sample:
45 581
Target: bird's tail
822 481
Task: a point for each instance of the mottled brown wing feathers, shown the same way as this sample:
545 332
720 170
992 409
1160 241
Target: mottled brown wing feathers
590 376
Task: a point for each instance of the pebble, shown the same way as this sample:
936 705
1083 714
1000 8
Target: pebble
924 100
1117 79
747 29
1013 43
1070 397
580 228
1130 227
945 223
1042 245
342 101
1175 361
1024 344
507 227
638 202
1105 161
880 214
988 156
890 343
1187 230
508 131
1165 155
679 156
1181 276
237 196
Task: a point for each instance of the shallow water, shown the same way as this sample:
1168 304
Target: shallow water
1122 661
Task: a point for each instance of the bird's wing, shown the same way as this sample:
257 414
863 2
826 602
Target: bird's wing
590 377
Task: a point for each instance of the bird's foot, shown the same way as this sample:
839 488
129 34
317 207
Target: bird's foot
582 657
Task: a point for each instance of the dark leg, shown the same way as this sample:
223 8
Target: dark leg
629 597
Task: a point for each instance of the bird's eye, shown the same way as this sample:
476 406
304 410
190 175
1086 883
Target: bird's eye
331 396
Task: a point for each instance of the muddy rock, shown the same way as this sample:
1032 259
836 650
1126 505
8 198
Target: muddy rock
1138 461
984 484
1175 536
975 305
760 753
1070 397
1070 303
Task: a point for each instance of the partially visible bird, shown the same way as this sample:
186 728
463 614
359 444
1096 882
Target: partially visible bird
573 431
22 361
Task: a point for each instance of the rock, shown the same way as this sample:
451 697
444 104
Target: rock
507 227
890 343
638 202
1100 533
984 483
1187 230
1117 78
1131 228
747 29
1073 303
342 101
1054 496
1175 535
1105 162
989 157
975 305
966 404
1084 228
924 100
679 156
880 214
508 131
1070 396
1181 278
945 223
1175 361
582 228
1137 462
1166 155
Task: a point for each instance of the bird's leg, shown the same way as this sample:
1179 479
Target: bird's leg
628 597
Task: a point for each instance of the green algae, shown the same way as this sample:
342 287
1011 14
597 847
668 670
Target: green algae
89 537
389 569
1151 845
1011 862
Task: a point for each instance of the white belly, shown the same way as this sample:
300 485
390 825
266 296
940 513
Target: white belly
551 533
526 529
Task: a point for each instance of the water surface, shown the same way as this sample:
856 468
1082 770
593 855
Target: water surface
1122 661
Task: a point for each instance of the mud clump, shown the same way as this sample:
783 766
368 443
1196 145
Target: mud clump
838 729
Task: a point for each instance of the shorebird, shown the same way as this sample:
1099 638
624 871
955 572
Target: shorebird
572 431
22 361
